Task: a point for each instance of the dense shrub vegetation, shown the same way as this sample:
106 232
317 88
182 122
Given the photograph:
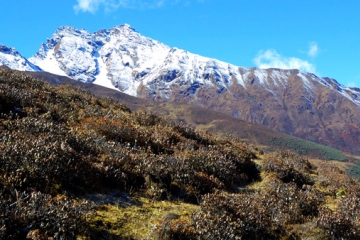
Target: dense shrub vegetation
295 201
62 142
59 145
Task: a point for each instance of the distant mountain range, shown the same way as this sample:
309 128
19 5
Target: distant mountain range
297 103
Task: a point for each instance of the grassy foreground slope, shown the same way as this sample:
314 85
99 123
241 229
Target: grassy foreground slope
76 166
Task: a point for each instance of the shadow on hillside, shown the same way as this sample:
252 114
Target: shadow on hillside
100 234
113 197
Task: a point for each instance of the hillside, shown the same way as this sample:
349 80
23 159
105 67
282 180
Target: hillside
73 165
207 120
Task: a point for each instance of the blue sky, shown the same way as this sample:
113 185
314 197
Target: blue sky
315 36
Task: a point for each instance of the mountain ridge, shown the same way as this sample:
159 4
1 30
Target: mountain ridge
13 59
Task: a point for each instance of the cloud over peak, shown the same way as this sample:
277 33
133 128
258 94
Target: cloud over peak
271 59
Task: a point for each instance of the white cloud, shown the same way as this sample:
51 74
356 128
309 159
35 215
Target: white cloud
271 59
88 5
93 5
355 82
313 49
351 84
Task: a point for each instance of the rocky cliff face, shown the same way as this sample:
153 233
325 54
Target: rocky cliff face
290 101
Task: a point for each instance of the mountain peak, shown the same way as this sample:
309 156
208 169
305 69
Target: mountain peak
70 30
65 28
125 30
114 58
7 50
126 26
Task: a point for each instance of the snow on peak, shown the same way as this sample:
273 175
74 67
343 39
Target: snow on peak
125 27
70 31
116 57
7 50
11 58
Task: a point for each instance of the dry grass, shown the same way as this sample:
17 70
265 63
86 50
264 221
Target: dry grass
340 164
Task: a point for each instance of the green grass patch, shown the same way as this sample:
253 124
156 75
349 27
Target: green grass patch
139 222
303 147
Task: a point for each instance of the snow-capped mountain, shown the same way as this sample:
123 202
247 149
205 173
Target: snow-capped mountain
13 59
118 58
122 58
297 103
